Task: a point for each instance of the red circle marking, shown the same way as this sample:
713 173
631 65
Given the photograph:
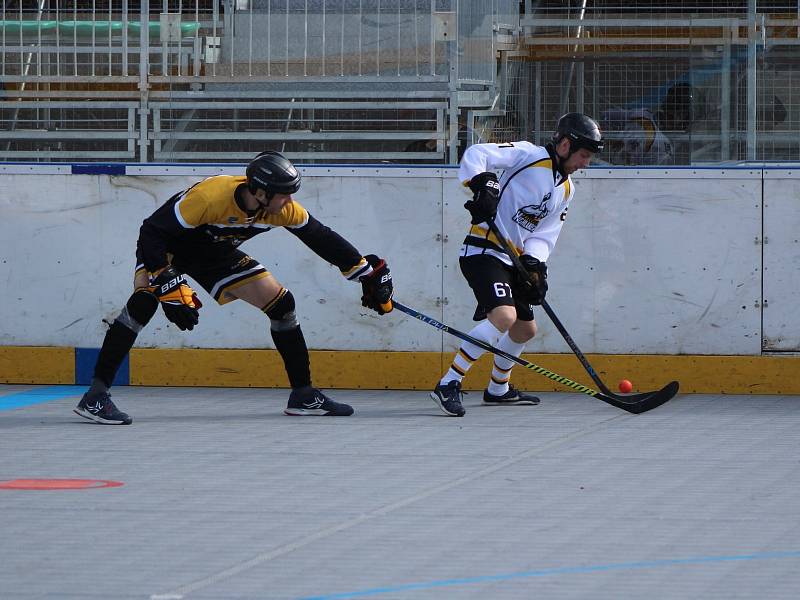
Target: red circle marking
57 484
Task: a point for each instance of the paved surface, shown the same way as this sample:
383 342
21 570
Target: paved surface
224 497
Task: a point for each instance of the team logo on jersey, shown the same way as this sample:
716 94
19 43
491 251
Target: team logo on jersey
244 263
528 217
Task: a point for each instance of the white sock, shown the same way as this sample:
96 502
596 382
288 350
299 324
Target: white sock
501 370
468 353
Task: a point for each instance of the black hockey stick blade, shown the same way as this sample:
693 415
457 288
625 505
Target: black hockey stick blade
640 403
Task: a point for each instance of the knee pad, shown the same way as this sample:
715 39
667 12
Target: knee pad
138 311
281 311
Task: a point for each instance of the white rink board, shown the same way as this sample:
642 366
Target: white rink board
661 263
657 261
73 257
664 263
782 260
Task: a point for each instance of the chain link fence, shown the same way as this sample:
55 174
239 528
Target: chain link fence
687 82
677 84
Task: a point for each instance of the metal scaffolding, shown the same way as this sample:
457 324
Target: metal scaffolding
395 80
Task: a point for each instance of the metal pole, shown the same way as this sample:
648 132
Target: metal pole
378 43
751 79
110 54
94 38
164 48
250 46
124 37
725 93
341 47
305 43
453 84
269 38
144 60
3 44
537 105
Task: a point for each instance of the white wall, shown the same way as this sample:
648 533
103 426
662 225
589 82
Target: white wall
650 261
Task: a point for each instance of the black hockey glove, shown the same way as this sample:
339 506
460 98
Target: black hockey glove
534 286
178 300
377 287
485 196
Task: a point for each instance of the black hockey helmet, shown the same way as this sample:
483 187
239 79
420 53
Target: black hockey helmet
272 172
582 132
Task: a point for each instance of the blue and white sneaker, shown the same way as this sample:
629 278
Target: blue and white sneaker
99 408
310 401
448 398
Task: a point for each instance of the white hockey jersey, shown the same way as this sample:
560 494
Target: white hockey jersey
534 198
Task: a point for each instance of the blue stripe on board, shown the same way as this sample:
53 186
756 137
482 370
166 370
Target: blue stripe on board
39 395
98 169
649 564
85 359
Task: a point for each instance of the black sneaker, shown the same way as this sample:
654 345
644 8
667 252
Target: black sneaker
448 398
311 401
512 397
99 408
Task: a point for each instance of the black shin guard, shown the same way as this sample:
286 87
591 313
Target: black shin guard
116 345
121 335
291 345
288 338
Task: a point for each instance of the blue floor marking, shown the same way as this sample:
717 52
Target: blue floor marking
39 395
557 571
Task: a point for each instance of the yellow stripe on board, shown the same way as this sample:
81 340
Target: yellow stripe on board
696 374
264 368
412 370
37 364
422 370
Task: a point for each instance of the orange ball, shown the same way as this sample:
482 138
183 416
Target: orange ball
625 386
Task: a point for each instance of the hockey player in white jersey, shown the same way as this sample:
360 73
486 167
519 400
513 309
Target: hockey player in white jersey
528 204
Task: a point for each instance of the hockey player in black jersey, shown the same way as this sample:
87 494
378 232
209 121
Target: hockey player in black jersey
528 205
197 233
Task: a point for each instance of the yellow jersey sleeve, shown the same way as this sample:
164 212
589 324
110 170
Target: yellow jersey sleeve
293 216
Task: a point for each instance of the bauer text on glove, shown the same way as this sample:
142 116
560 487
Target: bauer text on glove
377 286
178 300
485 196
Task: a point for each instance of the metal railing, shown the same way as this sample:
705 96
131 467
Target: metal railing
683 83
395 80
323 80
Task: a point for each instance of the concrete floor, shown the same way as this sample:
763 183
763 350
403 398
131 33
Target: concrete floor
225 498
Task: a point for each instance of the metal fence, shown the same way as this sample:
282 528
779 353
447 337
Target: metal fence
676 84
324 80
395 80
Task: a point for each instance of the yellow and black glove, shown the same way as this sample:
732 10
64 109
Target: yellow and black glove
377 287
178 300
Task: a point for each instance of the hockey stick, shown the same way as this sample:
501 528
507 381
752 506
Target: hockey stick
672 386
635 404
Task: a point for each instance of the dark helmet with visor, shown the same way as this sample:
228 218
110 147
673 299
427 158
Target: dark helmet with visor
582 132
272 172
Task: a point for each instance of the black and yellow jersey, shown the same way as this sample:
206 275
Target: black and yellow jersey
208 219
